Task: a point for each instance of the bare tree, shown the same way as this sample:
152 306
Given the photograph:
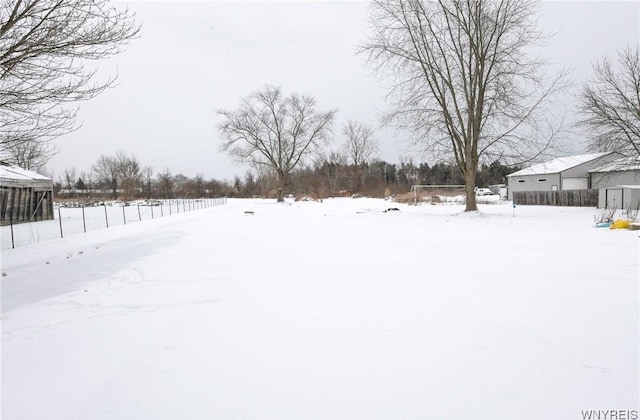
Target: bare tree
463 82
29 153
165 183
610 105
333 167
275 131
44 49
70 179
106 172
129 174
87 178
146 177
360 147
180 184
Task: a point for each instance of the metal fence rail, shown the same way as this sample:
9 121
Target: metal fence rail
74 220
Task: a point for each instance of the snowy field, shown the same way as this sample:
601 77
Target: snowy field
332 310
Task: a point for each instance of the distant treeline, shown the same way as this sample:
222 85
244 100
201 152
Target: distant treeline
323 179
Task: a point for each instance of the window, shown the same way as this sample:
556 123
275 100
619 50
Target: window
521 180
542 180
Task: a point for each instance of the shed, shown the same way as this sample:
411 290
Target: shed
560 174
624 171
620 197
25 196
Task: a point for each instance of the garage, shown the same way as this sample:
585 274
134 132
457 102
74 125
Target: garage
620 197
581 183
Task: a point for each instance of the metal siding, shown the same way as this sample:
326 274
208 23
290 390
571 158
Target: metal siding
532 184
582 171
610 179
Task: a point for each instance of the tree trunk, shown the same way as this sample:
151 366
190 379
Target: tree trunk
355 187
282 178
470 185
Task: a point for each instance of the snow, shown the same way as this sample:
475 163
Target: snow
623 164
558 165
12 172
325 310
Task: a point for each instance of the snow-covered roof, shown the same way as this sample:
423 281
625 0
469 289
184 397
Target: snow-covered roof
11 175
623 164
558 165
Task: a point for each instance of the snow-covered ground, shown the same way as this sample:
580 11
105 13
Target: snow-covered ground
73 220
332 310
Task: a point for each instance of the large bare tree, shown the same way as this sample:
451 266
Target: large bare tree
129 174
359 147
462 80
120 173
106 174
610 105
45 51
272 130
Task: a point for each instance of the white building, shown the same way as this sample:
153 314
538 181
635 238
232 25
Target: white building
619 184
560 174
623 171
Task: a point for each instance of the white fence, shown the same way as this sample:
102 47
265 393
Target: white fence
74 220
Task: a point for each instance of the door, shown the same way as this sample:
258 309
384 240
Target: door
614 198
575 183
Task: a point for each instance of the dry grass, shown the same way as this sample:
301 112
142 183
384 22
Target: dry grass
431 197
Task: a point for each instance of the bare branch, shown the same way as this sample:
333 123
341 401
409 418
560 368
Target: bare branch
463 83
274 131
45 47
610 105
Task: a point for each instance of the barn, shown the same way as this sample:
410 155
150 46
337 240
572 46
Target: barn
25 196
560 174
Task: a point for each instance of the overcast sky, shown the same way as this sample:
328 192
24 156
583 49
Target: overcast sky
194 58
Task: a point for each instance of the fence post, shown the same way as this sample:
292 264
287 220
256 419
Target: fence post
124 216
106 218
152 212
169 207
183 207
84 223
139 216
13 242
161 210
60 221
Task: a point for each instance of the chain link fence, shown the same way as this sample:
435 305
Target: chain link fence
73 220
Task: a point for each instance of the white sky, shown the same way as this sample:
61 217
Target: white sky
194 58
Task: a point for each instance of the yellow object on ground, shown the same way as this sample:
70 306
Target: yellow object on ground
620 224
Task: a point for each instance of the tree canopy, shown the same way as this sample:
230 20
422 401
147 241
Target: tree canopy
462 80
272 130
610 105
